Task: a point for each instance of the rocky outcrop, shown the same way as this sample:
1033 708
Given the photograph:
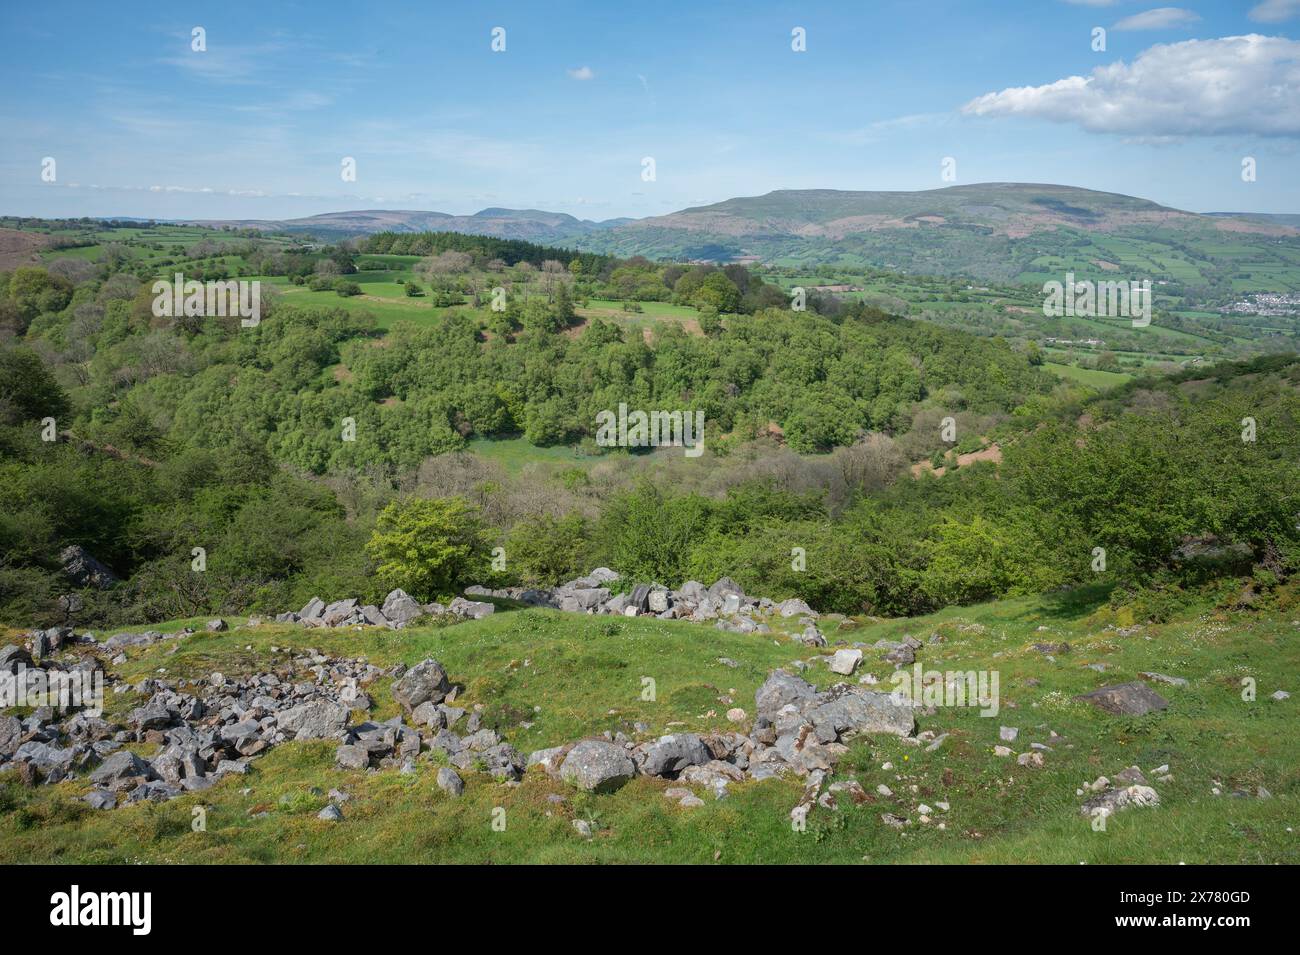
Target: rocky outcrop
398 610
203 730
724 602
84 570
800 731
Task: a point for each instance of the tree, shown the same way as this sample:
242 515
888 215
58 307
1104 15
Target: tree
718 292
27 389
544 550
429 547
564 313
35 291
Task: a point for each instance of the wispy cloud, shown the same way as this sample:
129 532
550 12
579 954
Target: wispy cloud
882 129
1274 11
240 63
1161 18
582 73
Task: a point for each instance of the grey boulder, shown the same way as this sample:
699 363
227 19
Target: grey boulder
426 682
672 754
597 765
315 719
400 608
1125 699
449 781
121 766
780 689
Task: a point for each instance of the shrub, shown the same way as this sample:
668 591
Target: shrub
429 547
543 550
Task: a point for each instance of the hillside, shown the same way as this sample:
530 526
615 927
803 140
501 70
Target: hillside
529 224
994 231
1004 208
19 248
1224 769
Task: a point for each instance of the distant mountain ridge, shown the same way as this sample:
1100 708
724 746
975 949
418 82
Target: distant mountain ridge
989 230
534 225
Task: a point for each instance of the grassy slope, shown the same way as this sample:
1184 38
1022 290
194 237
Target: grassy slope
1088 376
584 674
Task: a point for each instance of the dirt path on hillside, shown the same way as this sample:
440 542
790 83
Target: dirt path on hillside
992 453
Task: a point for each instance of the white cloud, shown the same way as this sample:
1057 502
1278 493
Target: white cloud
583 73
1274 11
1161 18
1234 85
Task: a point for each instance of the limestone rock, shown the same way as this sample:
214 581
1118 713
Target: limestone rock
597 766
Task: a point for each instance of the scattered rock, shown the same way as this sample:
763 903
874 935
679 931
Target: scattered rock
1113 800
845 661
1163 678
1125 699
449 781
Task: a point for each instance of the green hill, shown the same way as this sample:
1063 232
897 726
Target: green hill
993 231
543 678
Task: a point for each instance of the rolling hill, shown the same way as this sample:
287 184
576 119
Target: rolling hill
992 231
529 224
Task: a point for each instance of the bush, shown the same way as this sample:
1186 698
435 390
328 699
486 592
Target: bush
429 548
543 550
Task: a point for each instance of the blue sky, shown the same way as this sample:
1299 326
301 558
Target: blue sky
257 125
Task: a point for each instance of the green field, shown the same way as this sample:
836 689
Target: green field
516 454
1088 376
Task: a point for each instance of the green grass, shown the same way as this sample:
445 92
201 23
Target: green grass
1088 376
570 675
515 454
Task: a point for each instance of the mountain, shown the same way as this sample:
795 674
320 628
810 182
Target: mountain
1271 218
531 224
999 231
1001 208
996 231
